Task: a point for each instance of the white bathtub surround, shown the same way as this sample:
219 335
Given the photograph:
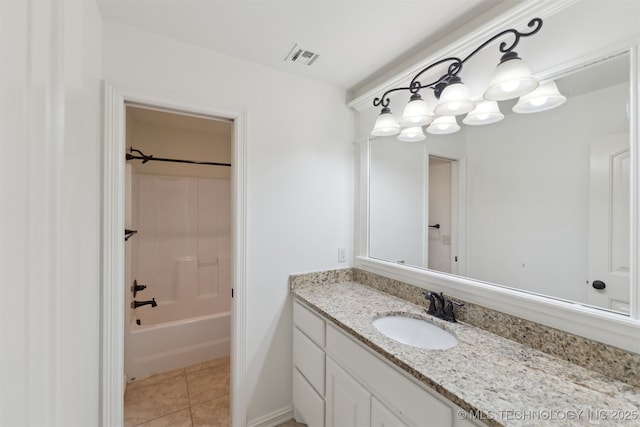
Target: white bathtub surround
181 253
182 249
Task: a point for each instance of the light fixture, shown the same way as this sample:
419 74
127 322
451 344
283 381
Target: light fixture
412 134
386 124
444 125
511 79
455 99
545 97
486 112
417 112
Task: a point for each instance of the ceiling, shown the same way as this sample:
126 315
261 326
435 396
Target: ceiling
354 40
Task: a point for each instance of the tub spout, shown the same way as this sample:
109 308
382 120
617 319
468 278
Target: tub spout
136 304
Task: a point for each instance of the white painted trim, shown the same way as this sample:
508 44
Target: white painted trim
634 112
274 418
609 328
112 328
112 304
239 239
361 238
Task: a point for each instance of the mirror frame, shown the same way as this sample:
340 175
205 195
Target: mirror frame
607 327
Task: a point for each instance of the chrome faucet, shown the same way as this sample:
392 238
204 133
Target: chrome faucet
440 307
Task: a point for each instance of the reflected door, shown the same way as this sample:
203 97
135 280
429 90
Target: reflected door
609 223
441 224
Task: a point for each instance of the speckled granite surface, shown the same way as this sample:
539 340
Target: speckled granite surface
501 381
607 360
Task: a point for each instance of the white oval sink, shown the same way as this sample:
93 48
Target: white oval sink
415 332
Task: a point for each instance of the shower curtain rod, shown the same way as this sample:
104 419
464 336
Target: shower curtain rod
146 158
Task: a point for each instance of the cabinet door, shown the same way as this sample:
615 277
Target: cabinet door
382 417
348 404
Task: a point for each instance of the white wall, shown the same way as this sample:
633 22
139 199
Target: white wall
300 179
49 213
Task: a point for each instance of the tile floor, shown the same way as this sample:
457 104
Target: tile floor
196 396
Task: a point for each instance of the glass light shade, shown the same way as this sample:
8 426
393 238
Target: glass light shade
416 113
386 124
412 134
443 125
486 112
455 99
511 79
545 97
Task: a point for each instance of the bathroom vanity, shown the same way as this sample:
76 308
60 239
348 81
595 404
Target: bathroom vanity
347 373
340 382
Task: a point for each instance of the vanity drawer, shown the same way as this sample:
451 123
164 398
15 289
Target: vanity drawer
307 403
309 323
309 359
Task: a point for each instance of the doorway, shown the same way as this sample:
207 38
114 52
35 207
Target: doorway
442 227
177 266
113 245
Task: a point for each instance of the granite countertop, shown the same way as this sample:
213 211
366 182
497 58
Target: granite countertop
497 380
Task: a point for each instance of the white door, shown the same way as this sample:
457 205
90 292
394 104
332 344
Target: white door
348 404
442 217
609 223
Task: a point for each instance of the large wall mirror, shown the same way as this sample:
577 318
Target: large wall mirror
537 202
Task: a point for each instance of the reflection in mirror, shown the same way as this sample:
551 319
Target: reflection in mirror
536 202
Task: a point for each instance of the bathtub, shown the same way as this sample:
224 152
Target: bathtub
158 348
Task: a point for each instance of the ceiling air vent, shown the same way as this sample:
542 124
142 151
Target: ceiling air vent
301 56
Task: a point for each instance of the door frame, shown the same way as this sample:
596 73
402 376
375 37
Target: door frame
458 211
112 246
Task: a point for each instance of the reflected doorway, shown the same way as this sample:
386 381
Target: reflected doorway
443 213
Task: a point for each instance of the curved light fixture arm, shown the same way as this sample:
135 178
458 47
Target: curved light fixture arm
535 24
384 99
456 63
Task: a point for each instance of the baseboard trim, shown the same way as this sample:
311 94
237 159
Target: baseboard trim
273 419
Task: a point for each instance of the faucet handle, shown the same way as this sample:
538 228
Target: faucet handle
449 313
436 304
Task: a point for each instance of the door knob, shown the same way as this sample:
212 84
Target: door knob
598 284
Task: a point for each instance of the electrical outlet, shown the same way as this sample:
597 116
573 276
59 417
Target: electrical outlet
342 255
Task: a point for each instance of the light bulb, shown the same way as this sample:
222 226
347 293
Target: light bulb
509 86
536 102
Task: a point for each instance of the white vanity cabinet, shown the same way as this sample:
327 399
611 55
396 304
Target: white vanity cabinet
381 416
348 402
308 366
360 389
